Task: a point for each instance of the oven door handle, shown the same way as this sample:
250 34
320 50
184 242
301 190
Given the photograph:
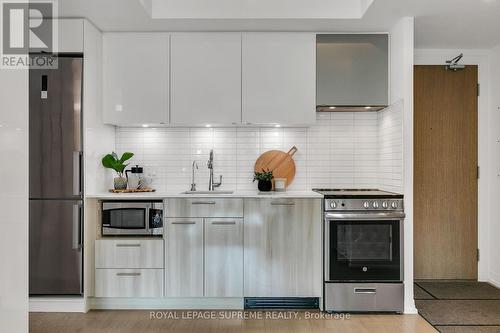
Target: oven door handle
364 216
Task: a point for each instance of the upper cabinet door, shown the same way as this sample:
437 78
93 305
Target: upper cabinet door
279 78
352 70
206 78
136 78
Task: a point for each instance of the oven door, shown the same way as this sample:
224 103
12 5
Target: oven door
363 247
125 218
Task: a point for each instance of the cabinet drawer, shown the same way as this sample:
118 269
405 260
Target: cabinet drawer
129 253
128 282
204 207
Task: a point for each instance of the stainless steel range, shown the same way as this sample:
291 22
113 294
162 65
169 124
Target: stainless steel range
363 250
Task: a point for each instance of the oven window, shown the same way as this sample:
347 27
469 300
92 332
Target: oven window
364 242
364 250
126 218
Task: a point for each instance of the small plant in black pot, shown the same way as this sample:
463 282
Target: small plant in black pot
264 179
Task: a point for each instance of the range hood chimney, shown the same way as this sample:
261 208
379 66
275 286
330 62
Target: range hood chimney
352 72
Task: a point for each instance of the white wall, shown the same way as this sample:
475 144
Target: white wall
401 82
493 175
340 151
14 201
486 146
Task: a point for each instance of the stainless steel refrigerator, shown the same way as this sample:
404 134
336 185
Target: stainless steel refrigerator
56 179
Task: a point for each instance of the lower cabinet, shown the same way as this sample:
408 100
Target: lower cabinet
129 267
128 282
204 257
224 257
282 248
184 253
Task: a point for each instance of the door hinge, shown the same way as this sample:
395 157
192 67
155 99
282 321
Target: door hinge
478 172
478 89
477 254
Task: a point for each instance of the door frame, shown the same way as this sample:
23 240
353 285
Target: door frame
482 60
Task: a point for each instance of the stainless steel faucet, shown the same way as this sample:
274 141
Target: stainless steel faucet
193 184
210 164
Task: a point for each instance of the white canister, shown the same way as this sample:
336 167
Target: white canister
280 184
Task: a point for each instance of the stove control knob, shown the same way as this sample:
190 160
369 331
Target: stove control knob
333 204
394 205
375 204
385 205
366 204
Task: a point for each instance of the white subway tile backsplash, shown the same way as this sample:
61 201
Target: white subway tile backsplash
342 150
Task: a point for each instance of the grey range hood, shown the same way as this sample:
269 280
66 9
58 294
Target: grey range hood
352 72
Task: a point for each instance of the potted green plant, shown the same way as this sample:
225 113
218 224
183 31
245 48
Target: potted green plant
264 179
111 161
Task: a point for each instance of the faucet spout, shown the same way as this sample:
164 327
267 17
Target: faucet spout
211 184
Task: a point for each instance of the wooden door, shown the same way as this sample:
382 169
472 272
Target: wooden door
224 257
282 248
184 257
445 173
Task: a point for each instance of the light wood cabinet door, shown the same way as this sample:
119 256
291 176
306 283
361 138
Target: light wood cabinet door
135 78
282 248
129 253
203 207
224 257
279 78
184 257
206 78
129 282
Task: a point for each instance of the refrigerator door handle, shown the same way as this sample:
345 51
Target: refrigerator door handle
77 226
80 170
78 173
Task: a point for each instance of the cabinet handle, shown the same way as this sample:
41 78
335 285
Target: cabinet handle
183 222
223 222
203 203
128 274
289 203
365 290
128 245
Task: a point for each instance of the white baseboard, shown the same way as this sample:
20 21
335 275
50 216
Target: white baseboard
192 303
57 304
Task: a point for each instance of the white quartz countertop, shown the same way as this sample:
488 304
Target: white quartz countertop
236 194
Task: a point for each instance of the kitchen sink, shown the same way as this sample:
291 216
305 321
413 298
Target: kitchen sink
208 192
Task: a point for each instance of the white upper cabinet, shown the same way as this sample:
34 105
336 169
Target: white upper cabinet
205 78
279 78
136 78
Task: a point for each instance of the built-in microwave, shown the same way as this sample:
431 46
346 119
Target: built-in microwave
132 218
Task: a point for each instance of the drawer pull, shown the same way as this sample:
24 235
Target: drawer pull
183 222
128 245
223 222
128 274
203 203
289 203
365 290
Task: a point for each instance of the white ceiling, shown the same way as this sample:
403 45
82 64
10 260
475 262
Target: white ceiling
438 23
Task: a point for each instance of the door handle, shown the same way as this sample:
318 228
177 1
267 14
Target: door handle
223 222
128 274
128 245
77 226
183 222
288 203
203 203
365 290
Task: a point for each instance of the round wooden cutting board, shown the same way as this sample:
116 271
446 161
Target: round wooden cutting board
280 163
